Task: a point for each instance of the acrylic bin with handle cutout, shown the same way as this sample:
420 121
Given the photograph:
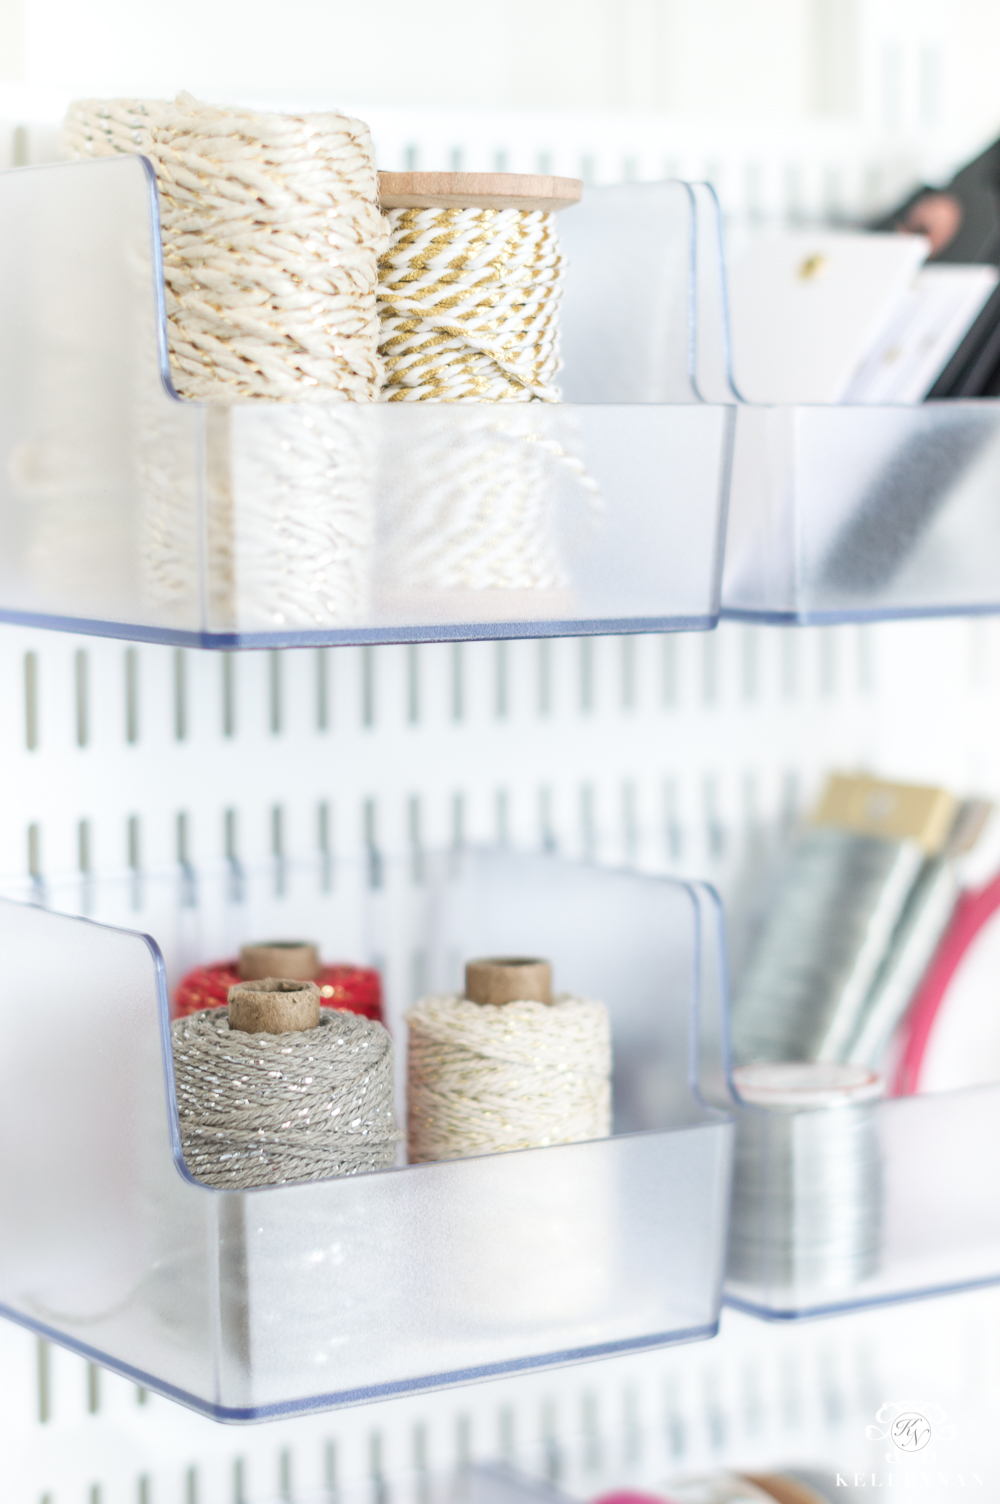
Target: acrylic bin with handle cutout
926 1179
280 1300
845 513
125 511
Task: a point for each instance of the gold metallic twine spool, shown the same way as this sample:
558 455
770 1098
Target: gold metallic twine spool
469 286
507 1066
469 293
518 1068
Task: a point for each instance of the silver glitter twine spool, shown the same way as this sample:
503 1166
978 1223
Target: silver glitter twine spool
265 1097
807 1193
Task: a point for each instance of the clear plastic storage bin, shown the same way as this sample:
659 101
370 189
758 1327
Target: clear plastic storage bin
834 1209
286 1299
125 511
847 513
932 1213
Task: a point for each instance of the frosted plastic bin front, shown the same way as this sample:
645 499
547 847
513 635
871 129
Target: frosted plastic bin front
860 513
932 1200
936 1221
126 512
287 1299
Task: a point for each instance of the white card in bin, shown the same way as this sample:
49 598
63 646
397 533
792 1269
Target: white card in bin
928 323
806 307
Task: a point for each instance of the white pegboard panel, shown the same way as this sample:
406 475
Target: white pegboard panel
832 169
758 1396
132 763
685 753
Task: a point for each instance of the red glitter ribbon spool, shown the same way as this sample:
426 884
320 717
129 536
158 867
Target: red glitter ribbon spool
358 989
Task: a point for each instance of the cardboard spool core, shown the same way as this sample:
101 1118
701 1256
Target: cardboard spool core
477 190
294 960
508 979
274 1005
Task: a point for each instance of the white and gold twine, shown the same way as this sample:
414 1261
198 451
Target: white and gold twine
469 309
468 303
271 238
482 1079
271 235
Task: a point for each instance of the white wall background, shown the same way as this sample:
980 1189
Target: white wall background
917 68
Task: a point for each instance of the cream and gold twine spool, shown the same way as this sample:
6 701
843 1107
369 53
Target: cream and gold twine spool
280 1089
509 1066
469 293
271 236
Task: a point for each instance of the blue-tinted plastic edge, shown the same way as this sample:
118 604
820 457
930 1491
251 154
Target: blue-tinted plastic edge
359 636
845 618
868 1303
338 1399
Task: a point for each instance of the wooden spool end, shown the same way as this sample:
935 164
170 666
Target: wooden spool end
508 979
274 1005
294 960
477 190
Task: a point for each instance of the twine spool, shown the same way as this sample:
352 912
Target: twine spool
357 989
469 293
807 1193
470 284
301 1103
520 1073
271 235
519 1068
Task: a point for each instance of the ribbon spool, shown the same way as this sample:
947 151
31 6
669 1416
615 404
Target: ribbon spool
507 1066
358 989
806 1214
279 1089
790 1486
469 293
